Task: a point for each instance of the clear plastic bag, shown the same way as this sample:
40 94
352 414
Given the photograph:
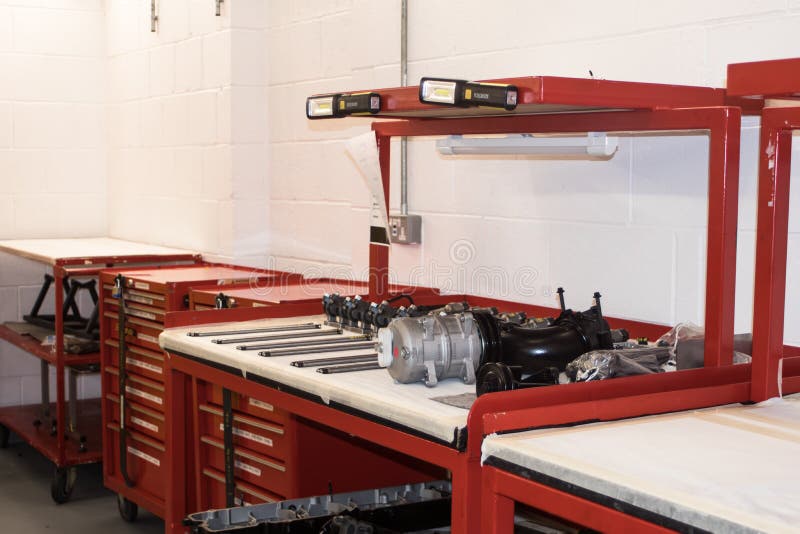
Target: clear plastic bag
686 342
603 364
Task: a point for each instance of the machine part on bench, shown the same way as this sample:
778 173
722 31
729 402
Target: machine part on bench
497 376
284 328
319 349
293 335
361 358
63 483
349 368
455 343
307 343
128 510
431 348
394 509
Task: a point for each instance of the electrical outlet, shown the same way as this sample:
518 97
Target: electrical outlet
405 229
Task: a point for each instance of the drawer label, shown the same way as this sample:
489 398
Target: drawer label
137 298
151 339
248 435
144 365
249 468
144 456
141 285
142 314
144 424
142 394
261 404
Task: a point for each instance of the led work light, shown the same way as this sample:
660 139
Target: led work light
463 93
341 105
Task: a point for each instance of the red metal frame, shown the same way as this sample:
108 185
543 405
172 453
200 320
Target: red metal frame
771 79
723 125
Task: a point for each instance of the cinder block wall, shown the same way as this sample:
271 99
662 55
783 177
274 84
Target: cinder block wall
633 227
52 154
187 116
52 149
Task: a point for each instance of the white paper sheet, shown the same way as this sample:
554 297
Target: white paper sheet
364 151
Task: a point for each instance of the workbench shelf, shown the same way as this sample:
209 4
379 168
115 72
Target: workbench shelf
67 431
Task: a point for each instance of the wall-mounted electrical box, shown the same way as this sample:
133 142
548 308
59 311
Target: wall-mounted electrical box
405 229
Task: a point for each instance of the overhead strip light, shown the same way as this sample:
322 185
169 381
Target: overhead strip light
342 105
462 93
595 144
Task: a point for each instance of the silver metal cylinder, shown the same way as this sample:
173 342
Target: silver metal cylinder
431 348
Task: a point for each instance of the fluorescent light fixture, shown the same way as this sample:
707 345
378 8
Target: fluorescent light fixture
462 93
595 144
341 105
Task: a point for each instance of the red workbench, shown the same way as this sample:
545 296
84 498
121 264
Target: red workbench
69 439
617 497
547 105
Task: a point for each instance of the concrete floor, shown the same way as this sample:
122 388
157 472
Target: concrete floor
28 509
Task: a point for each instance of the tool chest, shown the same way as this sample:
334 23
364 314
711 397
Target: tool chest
134 386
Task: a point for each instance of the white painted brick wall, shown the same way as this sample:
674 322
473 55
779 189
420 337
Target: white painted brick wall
186 104
633 227
52 152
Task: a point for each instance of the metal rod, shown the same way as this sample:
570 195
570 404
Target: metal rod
293 335
404 82
319 348
336 341
73 400
285 328
361 358
348 368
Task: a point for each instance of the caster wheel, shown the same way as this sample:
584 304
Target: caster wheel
63 483
4 435
128 510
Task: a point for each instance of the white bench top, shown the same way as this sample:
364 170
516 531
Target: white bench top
51 250
371 392
727 469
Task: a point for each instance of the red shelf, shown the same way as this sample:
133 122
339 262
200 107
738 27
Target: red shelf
34 347
778 78
19 419
553 94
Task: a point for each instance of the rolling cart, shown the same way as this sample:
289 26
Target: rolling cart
67 431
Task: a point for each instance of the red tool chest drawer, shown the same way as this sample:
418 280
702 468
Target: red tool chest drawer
145 458
139 361
139 418
139 331
142 390
245 494
250 467
258 435
246 405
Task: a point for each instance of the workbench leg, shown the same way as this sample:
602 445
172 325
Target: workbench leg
466 512
61 415
772 235
497 511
